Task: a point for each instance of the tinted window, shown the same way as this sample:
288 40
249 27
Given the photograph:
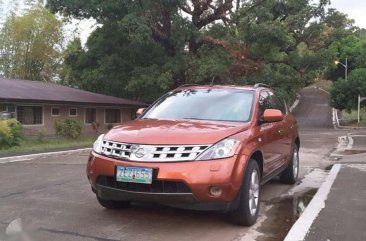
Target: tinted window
277 103
204 104
264 103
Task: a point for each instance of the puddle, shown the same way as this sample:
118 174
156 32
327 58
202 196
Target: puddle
283 214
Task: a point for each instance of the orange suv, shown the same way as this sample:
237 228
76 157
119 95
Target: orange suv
199 147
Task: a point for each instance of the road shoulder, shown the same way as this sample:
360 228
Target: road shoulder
344 215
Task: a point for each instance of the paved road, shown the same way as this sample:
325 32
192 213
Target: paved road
53 196
313 110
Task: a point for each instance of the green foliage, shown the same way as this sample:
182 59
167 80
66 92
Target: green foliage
344 94
352 47
144 48
10 133
69 128
30 45
41 133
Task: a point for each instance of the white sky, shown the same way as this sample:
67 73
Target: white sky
356 9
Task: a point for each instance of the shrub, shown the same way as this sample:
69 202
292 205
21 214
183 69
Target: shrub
344 94
69 128
41 134
10 133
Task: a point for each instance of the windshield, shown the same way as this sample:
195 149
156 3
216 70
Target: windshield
204 104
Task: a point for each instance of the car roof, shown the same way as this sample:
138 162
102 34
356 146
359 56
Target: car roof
237 87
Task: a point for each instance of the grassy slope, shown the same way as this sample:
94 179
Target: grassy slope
350 119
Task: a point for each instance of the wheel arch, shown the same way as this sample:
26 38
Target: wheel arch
258 157
297 142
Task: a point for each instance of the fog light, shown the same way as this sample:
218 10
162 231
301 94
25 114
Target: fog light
216 191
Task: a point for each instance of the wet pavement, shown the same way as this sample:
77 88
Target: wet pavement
54 196
344 216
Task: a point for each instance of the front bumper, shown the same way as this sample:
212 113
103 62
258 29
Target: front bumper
197 176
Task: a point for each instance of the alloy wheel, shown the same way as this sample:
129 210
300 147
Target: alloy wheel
254 192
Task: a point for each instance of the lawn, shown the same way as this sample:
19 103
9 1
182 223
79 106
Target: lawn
28 146
350 119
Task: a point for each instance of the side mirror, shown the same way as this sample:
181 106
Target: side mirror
272 115
139 112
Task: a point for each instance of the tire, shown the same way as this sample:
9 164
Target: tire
246 213
291 173
109 204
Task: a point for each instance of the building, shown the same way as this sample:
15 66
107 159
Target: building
37 105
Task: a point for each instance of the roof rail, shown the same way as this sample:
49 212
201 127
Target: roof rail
187 85
262 85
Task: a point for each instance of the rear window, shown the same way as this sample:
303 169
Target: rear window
204 104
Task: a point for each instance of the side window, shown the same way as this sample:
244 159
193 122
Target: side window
264 103
277 103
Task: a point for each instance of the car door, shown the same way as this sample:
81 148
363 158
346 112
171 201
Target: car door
284 127
269 135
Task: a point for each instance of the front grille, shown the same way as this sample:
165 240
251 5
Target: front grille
156 186
153 153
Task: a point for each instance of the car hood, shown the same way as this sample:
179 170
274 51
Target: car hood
173 132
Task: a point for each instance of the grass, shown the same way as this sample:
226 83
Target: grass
350 119
34 146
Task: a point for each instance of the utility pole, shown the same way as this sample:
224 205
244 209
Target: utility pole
345 67
346 70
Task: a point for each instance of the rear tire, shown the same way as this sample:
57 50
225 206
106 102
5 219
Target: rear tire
246 213
109 204
291 173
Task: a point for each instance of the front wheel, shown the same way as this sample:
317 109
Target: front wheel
291 173
109 204
247 212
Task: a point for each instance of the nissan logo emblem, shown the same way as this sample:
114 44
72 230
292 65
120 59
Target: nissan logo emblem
140 152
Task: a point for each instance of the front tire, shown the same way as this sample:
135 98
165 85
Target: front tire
109 204
291 173
246 213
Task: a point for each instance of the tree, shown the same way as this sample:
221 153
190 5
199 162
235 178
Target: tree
169 43
352 47
344 94
30 45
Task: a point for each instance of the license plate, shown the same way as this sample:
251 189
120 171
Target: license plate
134 174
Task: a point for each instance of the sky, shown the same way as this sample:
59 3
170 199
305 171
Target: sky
356 9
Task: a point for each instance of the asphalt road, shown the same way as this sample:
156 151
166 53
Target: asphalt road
313 110
53 197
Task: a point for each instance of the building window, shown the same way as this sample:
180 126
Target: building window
90 115
8 108
73 112
30 115
55 111
112 116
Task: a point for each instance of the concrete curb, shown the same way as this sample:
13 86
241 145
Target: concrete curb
302 225
45 154
294 105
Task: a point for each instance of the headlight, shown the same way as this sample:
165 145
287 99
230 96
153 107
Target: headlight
97 146
222 149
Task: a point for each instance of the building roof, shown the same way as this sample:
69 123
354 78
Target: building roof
12 90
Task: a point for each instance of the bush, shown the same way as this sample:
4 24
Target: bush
41 133
69 128
10 133
344 94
